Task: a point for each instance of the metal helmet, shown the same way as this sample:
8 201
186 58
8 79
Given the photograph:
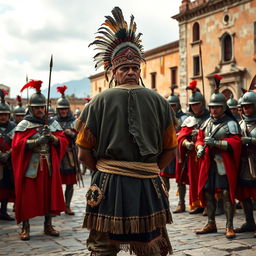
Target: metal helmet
37 99
249 98
217 98
62 102
51 110
4 107
77 111
232 103
19 110
196 96
174 99
241 98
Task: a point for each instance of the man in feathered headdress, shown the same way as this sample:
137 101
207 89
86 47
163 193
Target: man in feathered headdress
6 172
126 136
218 148
38 147
187 170
19 111
68 166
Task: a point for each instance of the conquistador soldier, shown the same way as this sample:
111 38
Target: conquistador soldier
246 190
38 147
69 164
6 172
219 147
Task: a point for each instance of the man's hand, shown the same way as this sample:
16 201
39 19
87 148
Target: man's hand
43 139
200 151
4 157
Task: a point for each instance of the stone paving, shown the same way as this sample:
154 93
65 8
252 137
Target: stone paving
73 238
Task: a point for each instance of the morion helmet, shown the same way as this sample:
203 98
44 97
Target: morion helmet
37 99
196 96
19 110
249 98
232 103
217 98
174 99
62 102
118 43
4 107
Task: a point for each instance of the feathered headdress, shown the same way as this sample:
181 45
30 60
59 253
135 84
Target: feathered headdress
62 89
3 93
19 100
217 79
117 43
173 87
36 84
192 86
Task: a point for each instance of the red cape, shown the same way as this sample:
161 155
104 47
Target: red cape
191 172
231 162
20 161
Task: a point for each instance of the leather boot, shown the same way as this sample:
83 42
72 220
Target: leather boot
68 197
249 225
182 192
210 227
3 212
229 210
48 228
24 235
207 229
197 210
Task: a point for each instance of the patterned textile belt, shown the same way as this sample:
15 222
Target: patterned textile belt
130 169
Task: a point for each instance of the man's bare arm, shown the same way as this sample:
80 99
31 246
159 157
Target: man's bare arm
166 157
86 156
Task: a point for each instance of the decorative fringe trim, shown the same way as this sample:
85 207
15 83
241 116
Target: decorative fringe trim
125 225
160 245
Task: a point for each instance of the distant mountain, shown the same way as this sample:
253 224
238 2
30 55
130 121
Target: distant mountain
80 88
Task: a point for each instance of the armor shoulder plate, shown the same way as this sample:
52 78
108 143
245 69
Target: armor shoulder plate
55 126
24 125
189 122
233 127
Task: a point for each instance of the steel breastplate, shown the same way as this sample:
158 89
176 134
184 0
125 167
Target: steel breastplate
41 151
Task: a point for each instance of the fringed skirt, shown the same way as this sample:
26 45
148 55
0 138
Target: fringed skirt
133 211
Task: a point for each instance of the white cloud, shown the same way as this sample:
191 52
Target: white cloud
32 30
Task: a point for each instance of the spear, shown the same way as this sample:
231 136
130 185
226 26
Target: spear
49 90
27 88
201 64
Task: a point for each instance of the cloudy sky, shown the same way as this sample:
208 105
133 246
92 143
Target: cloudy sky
32 30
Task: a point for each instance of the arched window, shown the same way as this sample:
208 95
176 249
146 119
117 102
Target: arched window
228 94
196 32
227 47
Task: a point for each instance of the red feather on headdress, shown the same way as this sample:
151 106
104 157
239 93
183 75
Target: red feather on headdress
62 89
18 98
192 86
243 90
36 84
218 77
5 92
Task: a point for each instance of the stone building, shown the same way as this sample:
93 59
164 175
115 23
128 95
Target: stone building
215 37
